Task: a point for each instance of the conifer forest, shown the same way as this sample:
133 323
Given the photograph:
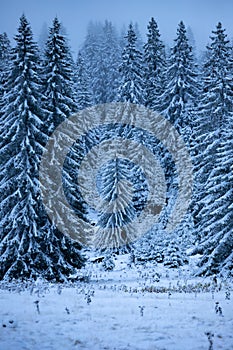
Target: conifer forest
151 175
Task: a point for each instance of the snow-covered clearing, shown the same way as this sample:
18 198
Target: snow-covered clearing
138 308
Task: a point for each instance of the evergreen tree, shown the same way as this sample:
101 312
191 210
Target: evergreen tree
182 86
116 209
21 138
60 103
28 247
5 49
212 211
149 247
132 70
58 91
101 53
154 56
82 85
110 49
178 103
159 247
174 257
108 262
91 55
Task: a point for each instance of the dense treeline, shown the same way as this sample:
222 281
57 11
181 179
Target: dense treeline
41 88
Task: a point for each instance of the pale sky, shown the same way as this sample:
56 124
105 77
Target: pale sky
201 15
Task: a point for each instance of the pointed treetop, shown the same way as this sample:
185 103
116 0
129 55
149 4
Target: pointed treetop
152 21
181 25
181 29
24 30
5 46
131 35
23 22
219 35
23 18
56 27
153 29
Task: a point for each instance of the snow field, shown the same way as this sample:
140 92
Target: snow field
114 312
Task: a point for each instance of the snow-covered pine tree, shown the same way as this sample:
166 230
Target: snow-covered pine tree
59 103
155 64
82 84
178 104
58 91
101 53
28 249
108 67
91 55
158 246
182 86
132 71
117 209
108 262
146 248
213 212
174 257
21 139
113 186
5 49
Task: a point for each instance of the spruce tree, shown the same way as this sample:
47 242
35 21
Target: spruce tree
59 101
178 103
28 246
155 64
92 55
111 60
182 86
101 53
212 209
21 139
116 209
131 70
82 84
58 91
5 49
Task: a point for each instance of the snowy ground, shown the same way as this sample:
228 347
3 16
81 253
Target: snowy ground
142 308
